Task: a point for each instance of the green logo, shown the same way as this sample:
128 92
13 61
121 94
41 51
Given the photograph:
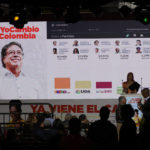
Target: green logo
119 90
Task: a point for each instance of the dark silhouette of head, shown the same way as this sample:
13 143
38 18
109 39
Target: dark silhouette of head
136 111
104 113
145 92
74 126
127 112
57 124
17 104
82 117
122 100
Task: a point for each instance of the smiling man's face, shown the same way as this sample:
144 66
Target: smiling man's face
14 57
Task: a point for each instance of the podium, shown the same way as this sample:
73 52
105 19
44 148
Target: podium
133 99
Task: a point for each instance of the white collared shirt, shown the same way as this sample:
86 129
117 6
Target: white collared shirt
21 87
146 98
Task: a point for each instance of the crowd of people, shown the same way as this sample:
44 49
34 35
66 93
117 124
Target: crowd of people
42 131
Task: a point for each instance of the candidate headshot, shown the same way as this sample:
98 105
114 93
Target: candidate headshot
54 50
138 50
117 42
75 43
96 50
54 43
117 50
75 51
12 57
138 43
13 78
96 42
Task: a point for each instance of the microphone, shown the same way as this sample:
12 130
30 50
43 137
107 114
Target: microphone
141 83
122 87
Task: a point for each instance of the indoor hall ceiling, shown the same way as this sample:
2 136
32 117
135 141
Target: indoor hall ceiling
57 9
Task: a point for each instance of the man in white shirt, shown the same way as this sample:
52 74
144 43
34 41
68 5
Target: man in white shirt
14 83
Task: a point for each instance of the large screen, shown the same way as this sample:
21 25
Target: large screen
85 60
